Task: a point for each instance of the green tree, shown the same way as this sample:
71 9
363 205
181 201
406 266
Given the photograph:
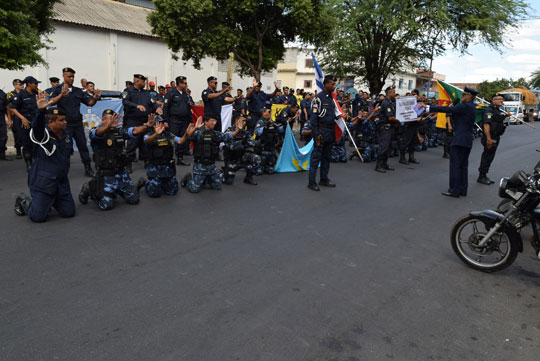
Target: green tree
254 31
535 79
376 38
24 27
487 89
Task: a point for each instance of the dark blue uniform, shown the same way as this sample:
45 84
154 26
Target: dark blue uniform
161 171
268 133
460 148
3 128
136 117
256 103
212 106
291 99
25 103
48 177
238 106
71 105
386 128
494 116
322 122
177 113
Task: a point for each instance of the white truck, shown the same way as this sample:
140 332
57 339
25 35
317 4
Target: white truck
514 102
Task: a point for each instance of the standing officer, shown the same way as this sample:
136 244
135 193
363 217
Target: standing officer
71 106
177 113
289 96
4 116
48 178
322 122
18 86
138 105
387 125
256 102
24 107
493 129
213 99
463 115
54 83
239 105
409 136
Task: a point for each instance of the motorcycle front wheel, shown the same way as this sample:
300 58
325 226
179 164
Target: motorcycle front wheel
499 252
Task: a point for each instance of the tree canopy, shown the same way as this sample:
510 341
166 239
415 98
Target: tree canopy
487 89
375 38
535 79
24 26
254 31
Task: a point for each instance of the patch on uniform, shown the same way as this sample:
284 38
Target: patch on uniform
204 92
55 111
109 142
389 110
489 116
162 142
166 100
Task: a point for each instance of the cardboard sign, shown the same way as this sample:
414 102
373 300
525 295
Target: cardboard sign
405 109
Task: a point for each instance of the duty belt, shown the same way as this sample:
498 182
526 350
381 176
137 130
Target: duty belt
204 162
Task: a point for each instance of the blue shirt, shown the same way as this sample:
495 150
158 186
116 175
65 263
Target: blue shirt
211 106
25 103
464 115
71 103
257 101
134 97
177 103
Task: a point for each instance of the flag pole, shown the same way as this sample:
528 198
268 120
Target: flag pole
352 139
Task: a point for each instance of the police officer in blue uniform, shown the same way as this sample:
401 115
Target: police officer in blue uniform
177 113
71 105
213 100
289 96
138 105
18 86
268 133
387 127
256 102
322 122
24 107
112 177
206 141
54 83
48 177
494 127
409 136
160 170
4 116
463 116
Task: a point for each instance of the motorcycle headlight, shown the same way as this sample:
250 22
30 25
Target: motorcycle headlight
503 185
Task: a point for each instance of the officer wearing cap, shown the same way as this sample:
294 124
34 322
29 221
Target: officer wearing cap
213 100
177 113
4 116
409 136
13 121
289 96
494 127
69 99
112 177
463 115
138 104
256 102
54 82
160 170
24 107
48 177
322 121
387 125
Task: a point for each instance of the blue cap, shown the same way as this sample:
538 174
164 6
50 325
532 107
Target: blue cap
31 79
471 91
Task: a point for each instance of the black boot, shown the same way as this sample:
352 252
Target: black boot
379 166
185 180
88 172
313 186
412 159
140 183
327 183
21 204
19 154
402 159
249 179
446 155
483 179
181 161
84 194
4 157
386 166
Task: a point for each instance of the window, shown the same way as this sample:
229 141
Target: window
308 84
309 63
401 83
410 84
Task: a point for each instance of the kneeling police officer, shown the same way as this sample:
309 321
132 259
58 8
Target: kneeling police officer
268 132
112 176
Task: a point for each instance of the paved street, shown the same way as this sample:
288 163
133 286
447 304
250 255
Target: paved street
269 273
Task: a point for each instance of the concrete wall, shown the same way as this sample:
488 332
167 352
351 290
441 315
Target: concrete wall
109 58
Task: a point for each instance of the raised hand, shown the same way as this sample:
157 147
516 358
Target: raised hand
159 111
199 123
97 94
41 100
240 123
190 130
151 120
276 85
65 90
159 128
255 82
114 120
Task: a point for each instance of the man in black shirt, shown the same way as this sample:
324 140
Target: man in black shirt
177 113
213 100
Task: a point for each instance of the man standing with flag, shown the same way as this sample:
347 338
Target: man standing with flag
322 122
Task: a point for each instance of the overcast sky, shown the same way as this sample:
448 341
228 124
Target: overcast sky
519 59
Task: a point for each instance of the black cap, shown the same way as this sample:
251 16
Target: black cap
17 81
285 87
159 119
328 78
139 76
68 70
210 78
129 82
54 111
180 79
108 112
389 88
54 79
259 83
31 79
225 83
471 91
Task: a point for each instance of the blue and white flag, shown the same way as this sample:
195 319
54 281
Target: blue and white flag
319 76
292 158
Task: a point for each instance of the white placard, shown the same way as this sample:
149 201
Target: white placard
405 109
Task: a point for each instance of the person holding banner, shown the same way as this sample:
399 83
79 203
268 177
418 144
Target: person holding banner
464 116
322 121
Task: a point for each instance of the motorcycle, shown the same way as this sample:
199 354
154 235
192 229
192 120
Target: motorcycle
490 240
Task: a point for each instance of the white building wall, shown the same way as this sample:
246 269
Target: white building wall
109 58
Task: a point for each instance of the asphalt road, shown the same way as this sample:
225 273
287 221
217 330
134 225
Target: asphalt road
364 271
